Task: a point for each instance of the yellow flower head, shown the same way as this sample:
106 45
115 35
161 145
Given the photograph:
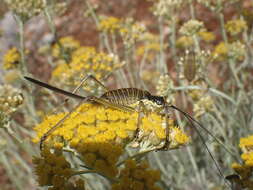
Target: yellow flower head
149 50
92 124
99 134
191 27
164 8
85 60
109 24
178 137
203 102
67 45
245 169
246 144
26 8
221 51
184 42
51 169
10 99
206 36
137 176
235 50
235 27
131 32
11 59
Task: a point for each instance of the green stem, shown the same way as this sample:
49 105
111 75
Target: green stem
93 14
222 23
93 172
103 37
231 64
195 167
195 37
23 68
162 62
96 19
114 44
22 45
192 11
142 153
50 20
51 24
224 36
173 43
130 70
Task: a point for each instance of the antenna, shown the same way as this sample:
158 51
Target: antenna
191 120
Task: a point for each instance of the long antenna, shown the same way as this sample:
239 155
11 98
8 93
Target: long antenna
55 89
189 117
191 120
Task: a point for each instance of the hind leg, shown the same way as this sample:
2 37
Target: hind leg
141 110
167 132
83 81
58 124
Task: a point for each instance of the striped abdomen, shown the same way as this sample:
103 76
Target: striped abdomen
125 96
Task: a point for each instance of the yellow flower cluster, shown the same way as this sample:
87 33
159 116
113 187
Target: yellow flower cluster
164 88
11 59
10 99
184 42
149 50
191 27
245 170
166 7
206 36
178 138
137 176
203 102
51 169
109 24
99 135
65 46
4 120
150 47
82 61
235 27
12 76
235 50
246 144
152 132
163 84
131 32
54 170
221 51
26 8
96 124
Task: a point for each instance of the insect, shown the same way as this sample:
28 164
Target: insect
129 100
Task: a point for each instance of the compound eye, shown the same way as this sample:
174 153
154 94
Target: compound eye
158 102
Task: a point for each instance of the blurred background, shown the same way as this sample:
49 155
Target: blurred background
197 53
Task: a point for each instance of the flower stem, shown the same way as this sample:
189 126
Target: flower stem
94 172
23 68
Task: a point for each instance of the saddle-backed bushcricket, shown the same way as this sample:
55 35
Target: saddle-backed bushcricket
129 100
